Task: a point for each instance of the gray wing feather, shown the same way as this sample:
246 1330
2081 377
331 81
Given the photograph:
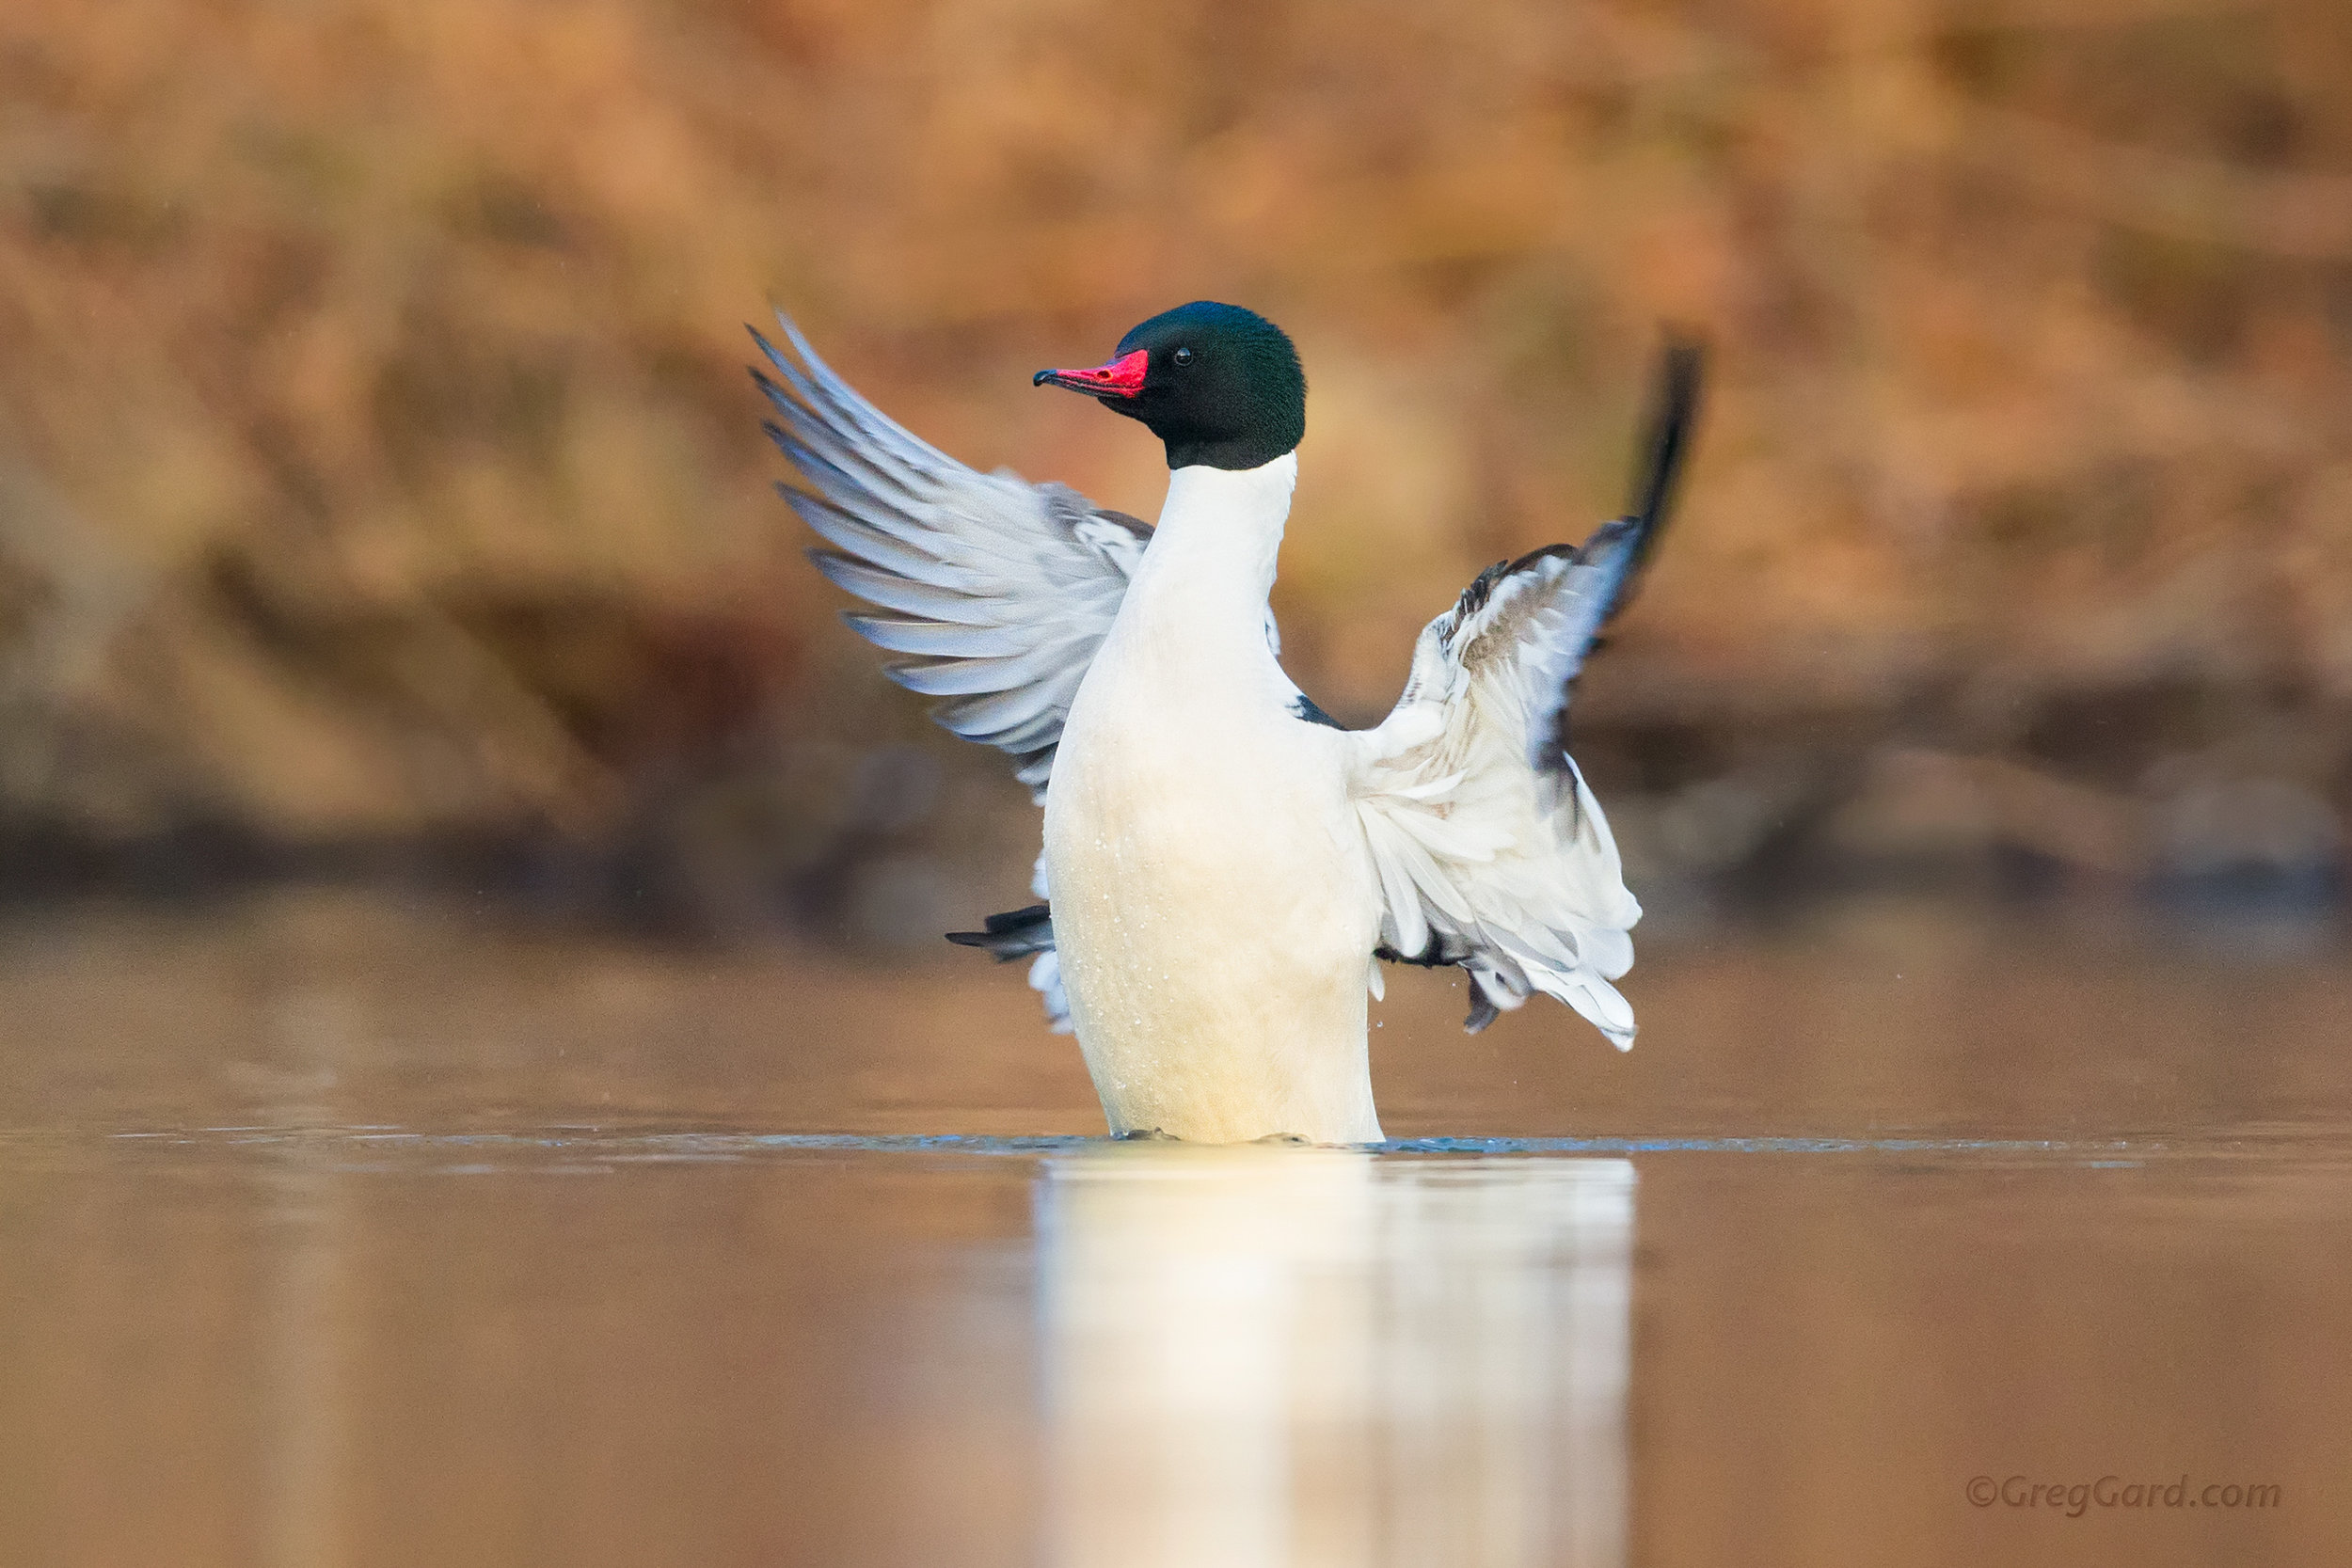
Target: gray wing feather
1000 590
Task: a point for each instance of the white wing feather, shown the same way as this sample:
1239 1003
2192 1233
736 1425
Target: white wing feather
1491 851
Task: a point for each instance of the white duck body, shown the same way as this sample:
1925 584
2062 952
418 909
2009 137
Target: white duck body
1214 899
1222 870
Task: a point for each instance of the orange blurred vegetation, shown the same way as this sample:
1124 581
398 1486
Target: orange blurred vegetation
375 458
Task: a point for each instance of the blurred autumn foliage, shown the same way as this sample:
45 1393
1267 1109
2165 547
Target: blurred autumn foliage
376 464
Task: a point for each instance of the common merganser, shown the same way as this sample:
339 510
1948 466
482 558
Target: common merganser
1227 866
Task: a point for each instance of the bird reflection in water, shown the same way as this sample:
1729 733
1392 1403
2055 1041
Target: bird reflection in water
1262 1356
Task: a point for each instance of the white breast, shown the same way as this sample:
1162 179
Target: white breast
1213 901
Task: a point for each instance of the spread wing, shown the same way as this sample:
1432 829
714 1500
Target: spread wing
998 590
1491 851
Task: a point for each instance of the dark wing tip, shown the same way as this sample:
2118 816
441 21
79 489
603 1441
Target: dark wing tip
1012 935
768 349
1666 444
1481 589
1306 707
1664 450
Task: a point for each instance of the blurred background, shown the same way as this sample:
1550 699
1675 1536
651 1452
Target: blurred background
449 846
383 504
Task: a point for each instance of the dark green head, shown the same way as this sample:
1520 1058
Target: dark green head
1221 385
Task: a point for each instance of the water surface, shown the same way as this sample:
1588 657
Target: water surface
331 1234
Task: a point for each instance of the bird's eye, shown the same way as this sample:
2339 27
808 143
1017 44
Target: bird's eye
1181 357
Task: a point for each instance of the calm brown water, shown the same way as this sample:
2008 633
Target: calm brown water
333 1233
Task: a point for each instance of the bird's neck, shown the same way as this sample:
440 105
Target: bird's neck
1212 557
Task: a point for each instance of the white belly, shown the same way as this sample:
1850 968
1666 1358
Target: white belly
1214 913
